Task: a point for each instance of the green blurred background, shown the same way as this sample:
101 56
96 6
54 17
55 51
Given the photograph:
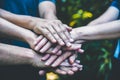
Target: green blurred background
97 56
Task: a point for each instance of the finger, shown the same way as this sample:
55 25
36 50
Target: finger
67 27
61 58
77 61
67 33
49 35
41 44
38 40
72 58
79 41
74 47
45 48
80 50
56 49
77 65
60 72
44 58
55 34
67 70
50 60
75 69
70 72
65 64
80 67
49 51
59 53
42 72
60 31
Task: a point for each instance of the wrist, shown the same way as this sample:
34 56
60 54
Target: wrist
30 37
36 61
82 33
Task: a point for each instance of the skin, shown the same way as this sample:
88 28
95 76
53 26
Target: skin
109 15
35 24
15 55
104 27
19 33
52 28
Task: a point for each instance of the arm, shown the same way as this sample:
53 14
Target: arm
46 7
110 14
109 30
13 55
21 20
13 31
47 10
40 26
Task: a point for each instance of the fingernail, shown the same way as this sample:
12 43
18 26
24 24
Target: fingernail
70 72
77 61
71 40
75 69
68 44
41 51
80 50
41 72
36 48
47 64
53 51
54 41
62 43
53 65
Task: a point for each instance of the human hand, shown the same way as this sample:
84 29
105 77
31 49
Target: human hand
65 68
54 30
55 60
42 45
71 53
75 47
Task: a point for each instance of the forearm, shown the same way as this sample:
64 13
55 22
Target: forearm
13 55
47 10
21 20
109 30
10 30
110 14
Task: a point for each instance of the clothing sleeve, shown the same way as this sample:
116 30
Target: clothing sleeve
116 3
47 0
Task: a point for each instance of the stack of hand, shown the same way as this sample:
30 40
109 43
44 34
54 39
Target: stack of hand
55 44
50 39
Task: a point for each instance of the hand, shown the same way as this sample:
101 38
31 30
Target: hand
55 60
42 45
54 30
75 47
71 53
64 68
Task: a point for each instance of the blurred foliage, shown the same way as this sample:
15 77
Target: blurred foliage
97 56
52 76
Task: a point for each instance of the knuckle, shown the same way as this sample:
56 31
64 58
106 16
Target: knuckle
46 33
